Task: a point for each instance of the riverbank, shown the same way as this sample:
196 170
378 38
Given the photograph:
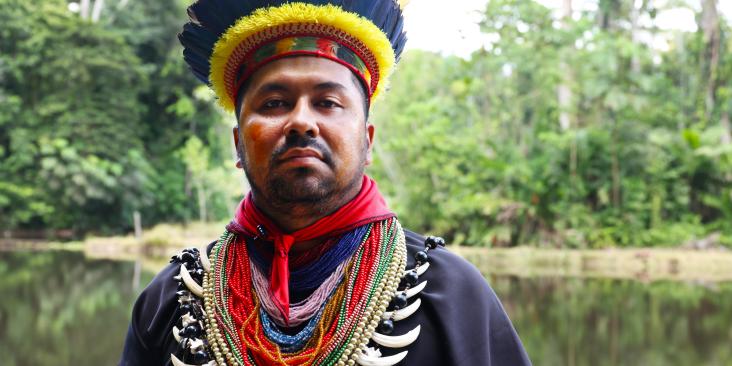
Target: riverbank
642 264
160 241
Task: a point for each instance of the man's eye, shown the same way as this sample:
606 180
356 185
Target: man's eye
328 104
272 104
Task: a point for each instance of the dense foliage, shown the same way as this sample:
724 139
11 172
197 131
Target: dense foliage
574 131
567 132
95 117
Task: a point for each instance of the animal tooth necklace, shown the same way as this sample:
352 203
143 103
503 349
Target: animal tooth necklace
344 322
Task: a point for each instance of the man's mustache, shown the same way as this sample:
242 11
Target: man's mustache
300 141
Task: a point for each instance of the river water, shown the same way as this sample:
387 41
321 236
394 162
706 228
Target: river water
60 308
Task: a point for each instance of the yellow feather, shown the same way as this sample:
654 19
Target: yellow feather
361 28
284 45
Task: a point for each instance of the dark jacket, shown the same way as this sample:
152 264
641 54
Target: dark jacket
462 321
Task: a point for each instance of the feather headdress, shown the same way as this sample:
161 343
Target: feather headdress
226 41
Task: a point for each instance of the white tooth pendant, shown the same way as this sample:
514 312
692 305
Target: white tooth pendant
195 288
397 341
414 290
420 270
400 314
177 362
188 319
205 263
175 334
372 357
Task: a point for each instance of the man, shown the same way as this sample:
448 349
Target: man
314 268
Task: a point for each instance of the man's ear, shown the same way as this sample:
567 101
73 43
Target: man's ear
370 131
235 132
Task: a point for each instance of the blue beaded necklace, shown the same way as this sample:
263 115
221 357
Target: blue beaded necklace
289 343
312 275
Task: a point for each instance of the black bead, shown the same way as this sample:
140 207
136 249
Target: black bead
200 357
433 241
399 301
411 278
188 257
386 326
262 231
421 256
190 331
185 308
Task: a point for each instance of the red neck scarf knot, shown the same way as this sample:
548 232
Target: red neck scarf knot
283 243
368 206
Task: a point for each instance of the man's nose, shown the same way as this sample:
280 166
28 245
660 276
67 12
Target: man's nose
302 120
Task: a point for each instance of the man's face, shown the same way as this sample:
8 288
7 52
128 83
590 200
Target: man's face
303 138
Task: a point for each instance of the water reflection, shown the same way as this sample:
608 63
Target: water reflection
60 309
565 321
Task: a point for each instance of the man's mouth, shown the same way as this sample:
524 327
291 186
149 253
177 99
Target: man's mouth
301 155
297 152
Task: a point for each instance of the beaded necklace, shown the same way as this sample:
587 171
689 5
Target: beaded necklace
300 311
311 275
237 331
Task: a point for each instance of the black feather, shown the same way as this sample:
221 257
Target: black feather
397 32
197 39
364 8
210 16
389 22
198 67
381 12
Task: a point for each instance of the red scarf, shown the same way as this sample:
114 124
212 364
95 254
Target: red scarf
367 207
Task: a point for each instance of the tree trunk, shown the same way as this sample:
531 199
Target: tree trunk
635 66
564 91
615 163
97 10
84 9
726 128
710 27
726 137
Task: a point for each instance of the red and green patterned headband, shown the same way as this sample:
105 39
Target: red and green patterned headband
319 46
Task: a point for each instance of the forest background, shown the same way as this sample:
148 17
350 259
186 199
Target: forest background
572 130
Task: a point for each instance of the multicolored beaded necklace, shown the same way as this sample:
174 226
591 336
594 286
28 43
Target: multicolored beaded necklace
300 311
240 333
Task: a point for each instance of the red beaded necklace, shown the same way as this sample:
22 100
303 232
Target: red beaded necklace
368 283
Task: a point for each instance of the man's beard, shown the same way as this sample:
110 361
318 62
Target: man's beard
300 186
